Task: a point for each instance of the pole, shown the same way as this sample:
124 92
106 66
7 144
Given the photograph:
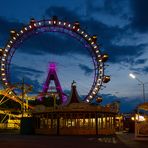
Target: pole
143 92
143 88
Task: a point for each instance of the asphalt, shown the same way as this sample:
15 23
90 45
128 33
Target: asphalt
122 140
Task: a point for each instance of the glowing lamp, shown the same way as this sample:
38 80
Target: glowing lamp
104 57
106 79
13 33
94 38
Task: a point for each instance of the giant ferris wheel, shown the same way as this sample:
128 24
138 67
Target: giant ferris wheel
55 25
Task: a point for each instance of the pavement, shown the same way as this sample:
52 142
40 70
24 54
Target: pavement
122 140
129 140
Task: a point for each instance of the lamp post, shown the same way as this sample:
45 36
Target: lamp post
143 86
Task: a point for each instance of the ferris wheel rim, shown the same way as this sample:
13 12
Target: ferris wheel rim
95 49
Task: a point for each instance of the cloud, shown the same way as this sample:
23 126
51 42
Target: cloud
86 69
140 70
62 44
140 17
132 102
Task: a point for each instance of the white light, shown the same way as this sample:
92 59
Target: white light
82 32
30 26
35 25
8 46
78 29
97 51
94 92
1 49
87 100
95 47
6 50
5 55
49 22
132 76
89 39
96 88
64 23
3 74
11 42
86 35
74 27
59 23
6 83
90 96
4 79
3 59
92 43
39 23
17 34
54 22
14 38
98 84
26 28
2 69
21 31
69 25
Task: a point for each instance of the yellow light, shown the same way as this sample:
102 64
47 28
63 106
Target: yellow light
1 49
133 118
6 83
90 96
3 74
2 69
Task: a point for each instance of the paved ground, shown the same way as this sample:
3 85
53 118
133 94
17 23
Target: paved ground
39 141
129 140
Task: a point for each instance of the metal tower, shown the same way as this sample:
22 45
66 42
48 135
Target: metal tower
52 75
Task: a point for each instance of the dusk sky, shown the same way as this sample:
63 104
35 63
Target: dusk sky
122 30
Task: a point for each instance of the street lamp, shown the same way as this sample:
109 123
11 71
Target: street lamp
143 87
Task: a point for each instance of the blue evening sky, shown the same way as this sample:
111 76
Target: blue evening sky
122 30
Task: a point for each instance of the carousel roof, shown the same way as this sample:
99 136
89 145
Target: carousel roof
143 106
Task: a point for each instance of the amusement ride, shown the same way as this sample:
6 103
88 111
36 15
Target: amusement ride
35 27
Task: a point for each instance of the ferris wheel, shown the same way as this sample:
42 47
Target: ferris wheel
73 30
